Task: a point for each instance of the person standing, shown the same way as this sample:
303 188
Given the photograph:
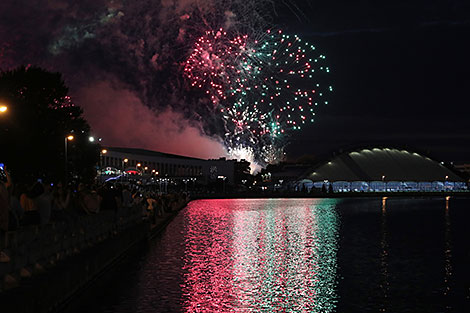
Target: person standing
4 211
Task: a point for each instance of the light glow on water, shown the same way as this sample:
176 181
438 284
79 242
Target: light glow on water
281 255
261 256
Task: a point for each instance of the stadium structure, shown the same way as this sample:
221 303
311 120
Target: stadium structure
383 170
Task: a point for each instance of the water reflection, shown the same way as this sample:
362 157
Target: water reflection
385 284
261 256
447 251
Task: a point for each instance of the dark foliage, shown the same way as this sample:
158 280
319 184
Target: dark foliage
32 132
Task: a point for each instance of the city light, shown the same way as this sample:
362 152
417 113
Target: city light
91 139
70 137
104 151
3 108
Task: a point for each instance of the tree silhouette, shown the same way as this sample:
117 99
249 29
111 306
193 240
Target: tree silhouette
32 132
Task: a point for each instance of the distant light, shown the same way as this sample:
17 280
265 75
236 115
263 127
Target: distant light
104 151
70 137
138 164
91 139
3 108
126 160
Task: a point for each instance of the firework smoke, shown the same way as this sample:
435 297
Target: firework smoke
140 48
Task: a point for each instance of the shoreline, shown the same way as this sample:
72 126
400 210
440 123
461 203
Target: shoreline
296 195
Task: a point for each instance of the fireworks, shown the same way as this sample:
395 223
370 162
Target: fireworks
213 63
264 88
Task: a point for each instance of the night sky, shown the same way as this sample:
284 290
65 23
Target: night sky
400 70
401 76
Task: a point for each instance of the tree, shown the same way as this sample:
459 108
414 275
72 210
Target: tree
40 116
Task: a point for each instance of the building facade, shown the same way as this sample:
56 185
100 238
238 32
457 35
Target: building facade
166 165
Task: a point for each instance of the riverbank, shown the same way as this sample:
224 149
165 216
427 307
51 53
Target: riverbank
50 264
269 195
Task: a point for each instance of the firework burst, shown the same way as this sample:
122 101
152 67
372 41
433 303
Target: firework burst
264 88
213 63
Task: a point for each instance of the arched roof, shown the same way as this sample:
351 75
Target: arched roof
371 164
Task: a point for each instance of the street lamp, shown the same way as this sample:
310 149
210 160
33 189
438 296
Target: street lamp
67 139
223 178
123 169
102 152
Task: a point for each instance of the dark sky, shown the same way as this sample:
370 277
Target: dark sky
400 71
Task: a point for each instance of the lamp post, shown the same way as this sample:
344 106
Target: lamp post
165 181
137 167
66 140
123 169
102 152
223 178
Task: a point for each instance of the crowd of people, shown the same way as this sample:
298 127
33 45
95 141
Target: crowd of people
43 202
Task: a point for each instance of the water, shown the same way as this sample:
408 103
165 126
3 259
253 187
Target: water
298 255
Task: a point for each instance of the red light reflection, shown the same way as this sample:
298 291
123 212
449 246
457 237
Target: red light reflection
260 255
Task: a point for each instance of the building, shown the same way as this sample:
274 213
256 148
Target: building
383 169
166 165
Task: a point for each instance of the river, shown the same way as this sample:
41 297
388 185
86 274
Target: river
297 255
